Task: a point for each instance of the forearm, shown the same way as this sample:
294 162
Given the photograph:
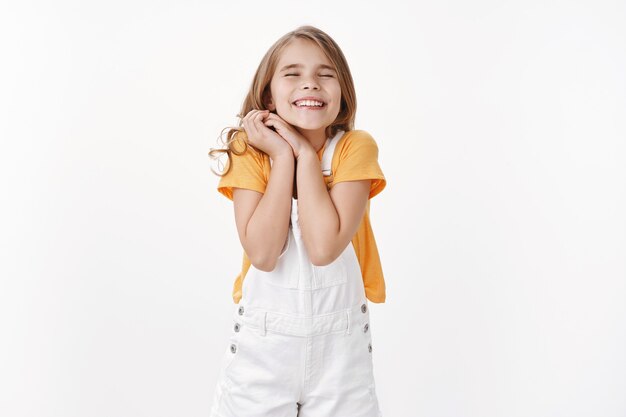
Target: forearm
268 226
317 215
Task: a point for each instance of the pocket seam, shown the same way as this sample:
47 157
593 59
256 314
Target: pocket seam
342 276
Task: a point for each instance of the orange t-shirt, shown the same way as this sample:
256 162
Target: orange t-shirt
355 158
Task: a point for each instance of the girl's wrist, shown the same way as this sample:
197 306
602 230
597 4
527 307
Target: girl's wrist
306 152
287 154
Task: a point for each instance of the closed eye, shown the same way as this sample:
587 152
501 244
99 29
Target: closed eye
323 75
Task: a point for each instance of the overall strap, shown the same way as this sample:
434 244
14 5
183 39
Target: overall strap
329 150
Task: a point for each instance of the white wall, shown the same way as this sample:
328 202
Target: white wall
502 233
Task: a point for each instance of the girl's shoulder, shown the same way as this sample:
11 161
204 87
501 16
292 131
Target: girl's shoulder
358 133
356 140
357 159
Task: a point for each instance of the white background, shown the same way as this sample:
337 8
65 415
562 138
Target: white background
501 129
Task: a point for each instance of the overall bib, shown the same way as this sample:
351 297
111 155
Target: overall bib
301 343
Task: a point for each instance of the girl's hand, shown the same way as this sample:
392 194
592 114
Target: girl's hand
262 137
297 142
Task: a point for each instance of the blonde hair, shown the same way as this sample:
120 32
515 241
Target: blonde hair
260 89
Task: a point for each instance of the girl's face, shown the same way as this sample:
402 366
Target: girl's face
304 71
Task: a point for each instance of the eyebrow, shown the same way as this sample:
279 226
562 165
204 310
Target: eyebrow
323 66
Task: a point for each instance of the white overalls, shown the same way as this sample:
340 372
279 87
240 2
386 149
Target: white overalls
300 343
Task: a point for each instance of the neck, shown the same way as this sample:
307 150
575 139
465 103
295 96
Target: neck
316 138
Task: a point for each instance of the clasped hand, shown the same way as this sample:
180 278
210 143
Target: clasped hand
285 138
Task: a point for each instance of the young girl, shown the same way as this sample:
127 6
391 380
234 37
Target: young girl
300 178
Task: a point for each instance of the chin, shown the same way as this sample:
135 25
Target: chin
308 128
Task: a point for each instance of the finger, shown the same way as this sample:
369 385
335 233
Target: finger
265 117
263 114
250 114
246 119
269 122
258 119
250 127
249 123
273 118
262 118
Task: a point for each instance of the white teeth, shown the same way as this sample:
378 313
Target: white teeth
309 103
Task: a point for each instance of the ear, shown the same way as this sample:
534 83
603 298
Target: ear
270 105
267 99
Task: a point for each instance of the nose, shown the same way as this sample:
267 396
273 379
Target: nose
309 86
310 83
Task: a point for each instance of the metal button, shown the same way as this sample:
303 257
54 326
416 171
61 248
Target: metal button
366 328
233 348
237 327
369 347
363 308
241 310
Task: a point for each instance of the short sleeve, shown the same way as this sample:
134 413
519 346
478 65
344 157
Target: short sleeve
358 160
246 171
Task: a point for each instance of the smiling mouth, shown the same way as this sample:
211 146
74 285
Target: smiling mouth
309 107
309 104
